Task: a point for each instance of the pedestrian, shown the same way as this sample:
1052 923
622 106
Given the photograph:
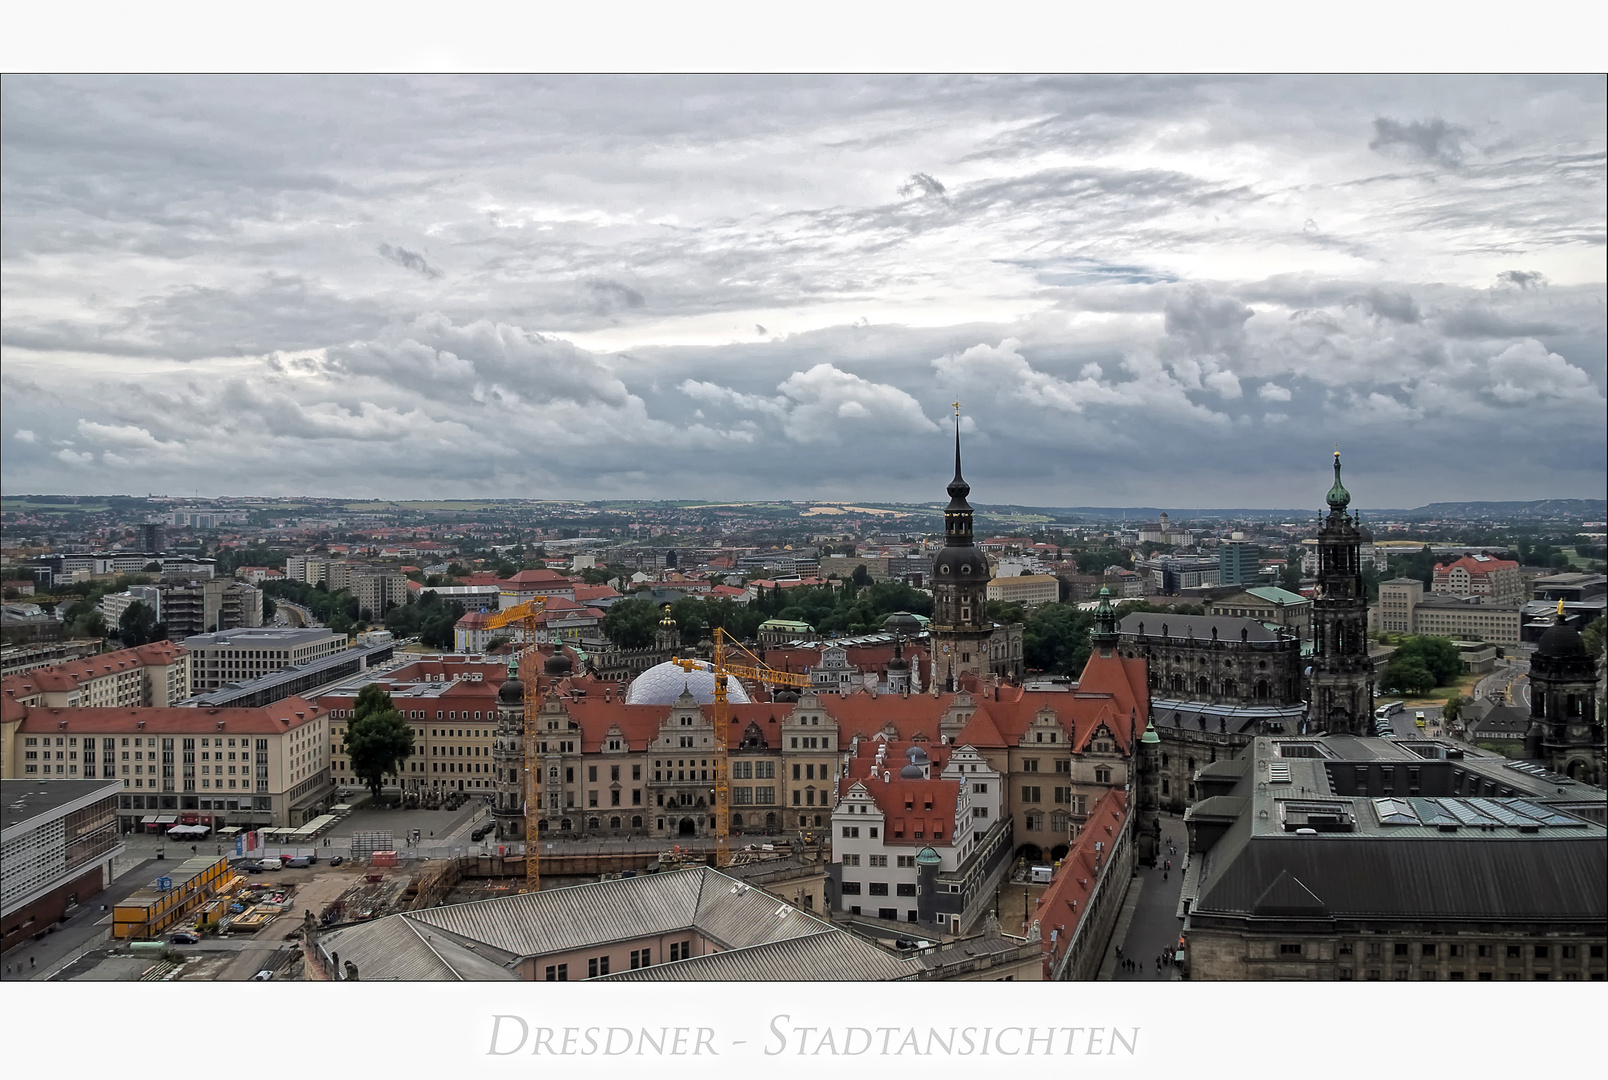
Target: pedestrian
1164 875
30 961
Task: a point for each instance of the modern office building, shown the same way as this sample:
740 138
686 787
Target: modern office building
57 842
1237 562
233 656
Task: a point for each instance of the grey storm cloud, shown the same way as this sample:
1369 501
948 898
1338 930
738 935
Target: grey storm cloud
1384 304
1434 140
736 287
610 296
921 183
1522 279
410 260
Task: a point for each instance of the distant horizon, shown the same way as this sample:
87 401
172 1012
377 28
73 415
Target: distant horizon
1592 505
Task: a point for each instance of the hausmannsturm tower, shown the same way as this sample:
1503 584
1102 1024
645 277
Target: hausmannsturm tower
1342 674
960 627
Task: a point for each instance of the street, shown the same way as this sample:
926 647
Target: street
1149 924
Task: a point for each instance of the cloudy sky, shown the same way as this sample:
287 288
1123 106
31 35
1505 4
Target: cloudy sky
1143 291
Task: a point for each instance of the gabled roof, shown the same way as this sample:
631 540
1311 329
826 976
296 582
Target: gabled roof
559 920
1065 902
273 719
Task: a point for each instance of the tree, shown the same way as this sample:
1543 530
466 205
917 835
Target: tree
1452 711
137 624
1437 654
378 740
861 576
1407 675
268 608
1056 639
630 624
1592 637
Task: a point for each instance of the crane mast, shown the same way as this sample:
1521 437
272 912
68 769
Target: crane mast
527 616
759 672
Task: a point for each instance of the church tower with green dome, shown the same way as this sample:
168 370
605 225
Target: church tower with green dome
1341 681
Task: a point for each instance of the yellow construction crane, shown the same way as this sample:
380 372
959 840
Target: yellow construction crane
758 672
528 617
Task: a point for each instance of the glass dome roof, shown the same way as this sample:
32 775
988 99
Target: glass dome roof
663 683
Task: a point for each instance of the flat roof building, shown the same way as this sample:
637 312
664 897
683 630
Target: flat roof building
59 840
230 656
1365 859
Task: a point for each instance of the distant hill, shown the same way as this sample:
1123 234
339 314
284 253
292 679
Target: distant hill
1592 509
1540 509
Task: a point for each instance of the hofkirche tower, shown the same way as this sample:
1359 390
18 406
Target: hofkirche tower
960 627
1341 683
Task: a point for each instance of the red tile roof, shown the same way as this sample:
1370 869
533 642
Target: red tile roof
273 719
526 579
1476 567
70 675
1065 902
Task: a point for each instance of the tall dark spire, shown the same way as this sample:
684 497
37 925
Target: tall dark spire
958 488
958 514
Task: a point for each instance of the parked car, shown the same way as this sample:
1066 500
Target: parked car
273 864
184 939
263 976
336 860
299 862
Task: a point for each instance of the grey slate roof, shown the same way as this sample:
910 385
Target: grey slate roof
1228 627
557 920
1555 872
399 948
830 957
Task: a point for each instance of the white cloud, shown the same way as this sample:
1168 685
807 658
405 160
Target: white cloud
1272 392
1525 371
23 435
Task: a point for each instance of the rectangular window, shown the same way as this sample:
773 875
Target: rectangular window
558 973
880 860
851 860
879 888
1289 948
851 888
905 889
1541 952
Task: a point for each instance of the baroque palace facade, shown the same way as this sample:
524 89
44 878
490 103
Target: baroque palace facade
612 768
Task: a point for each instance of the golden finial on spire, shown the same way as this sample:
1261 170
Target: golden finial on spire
1560 608
957 410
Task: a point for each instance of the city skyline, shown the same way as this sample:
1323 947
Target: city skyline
1143 290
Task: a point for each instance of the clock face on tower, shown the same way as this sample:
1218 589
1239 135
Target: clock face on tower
946 648
1577 731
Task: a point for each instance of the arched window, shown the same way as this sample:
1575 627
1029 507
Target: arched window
1228 687
636 821
736 821
1203 685
614 823
1261 689
591 823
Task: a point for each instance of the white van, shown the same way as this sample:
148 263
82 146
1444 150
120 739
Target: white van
273 862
